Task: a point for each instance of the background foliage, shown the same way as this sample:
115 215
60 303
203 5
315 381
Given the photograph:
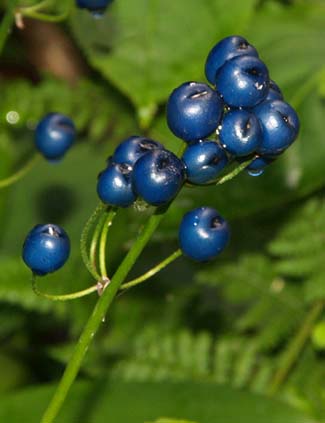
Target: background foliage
196 339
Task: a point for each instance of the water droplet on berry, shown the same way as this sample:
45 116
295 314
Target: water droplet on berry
255 172
97 14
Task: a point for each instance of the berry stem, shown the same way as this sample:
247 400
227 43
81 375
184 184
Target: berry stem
98 315
89 261
21 172
103 241
95 240
228 177
34 11
65 297
295 348
153 271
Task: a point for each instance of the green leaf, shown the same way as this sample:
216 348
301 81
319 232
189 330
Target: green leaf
147 48
136 402
163 420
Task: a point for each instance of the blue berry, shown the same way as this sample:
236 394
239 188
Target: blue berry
54 135
46 249
130 150
97 6
274 92
243 81
241 133
194 111
203 161
224 50
114 186
158 176
203 234
280 126
258 165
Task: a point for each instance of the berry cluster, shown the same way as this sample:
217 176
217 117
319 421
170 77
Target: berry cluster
244 110
140 167
241 117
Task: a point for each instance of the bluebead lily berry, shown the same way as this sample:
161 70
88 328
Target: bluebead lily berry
203 161
158 176
114 186
98 6
131 149
225 50
243 81
54 135
194 111
46 249
241 133
203 234
280 126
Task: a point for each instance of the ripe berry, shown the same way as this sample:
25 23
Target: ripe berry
241 133
243 81
274 92
97 6
224 50
46 249
194 111
130 150
114 185
54 135
280 126
158 176
203 161
203 234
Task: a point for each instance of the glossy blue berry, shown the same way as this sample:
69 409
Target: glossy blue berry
98 6
130 150
240 133
243 81
280 126
158 176
54 135
203 161
224 50
274 92
114 185
46 249
194 111
203 234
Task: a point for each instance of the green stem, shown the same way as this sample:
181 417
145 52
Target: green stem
34 12
95 240
98 315
153 271
88 261
7 22
103 241
295 348
229 176
66 297
36 7
20 173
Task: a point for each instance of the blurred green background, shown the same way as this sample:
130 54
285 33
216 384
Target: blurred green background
202 343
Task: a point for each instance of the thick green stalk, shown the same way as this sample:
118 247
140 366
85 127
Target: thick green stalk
295 347
97 317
